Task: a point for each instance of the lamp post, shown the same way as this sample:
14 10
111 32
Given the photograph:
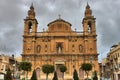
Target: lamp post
15 69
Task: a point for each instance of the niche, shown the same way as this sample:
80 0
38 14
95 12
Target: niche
38 49
59 47
80 48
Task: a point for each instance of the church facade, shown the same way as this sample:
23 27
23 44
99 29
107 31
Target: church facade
60 45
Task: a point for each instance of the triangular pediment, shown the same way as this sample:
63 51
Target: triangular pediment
59 25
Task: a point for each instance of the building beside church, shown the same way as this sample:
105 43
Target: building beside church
111 65
60 45
8 62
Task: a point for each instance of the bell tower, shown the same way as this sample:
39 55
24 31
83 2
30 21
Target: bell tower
89 32
30 31
89 26
30 23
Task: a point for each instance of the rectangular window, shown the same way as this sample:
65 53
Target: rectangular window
118 65
2 68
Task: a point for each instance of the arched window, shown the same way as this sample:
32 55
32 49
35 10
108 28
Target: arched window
38 48
80 48
46 47
30 26
73 48
89 27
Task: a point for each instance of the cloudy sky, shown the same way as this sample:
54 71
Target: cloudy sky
12 13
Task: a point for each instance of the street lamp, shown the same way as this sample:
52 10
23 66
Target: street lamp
15 69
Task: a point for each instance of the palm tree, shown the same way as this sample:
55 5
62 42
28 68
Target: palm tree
63 69
47 69
25 66
86 67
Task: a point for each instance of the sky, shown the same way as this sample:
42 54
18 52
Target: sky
13 13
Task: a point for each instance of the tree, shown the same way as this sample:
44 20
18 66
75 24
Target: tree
86 67
47 69
8 75
25 66
34 76
55 76
95 76
63 68
75 75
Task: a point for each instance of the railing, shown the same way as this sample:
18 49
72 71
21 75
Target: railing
59 33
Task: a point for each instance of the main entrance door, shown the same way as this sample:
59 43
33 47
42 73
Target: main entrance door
59 63
59 73
81 74
38 73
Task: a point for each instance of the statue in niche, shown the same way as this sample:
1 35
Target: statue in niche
80 48
38 49
59 48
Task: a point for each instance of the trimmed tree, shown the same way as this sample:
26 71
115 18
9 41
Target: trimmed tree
75 75
63 69
95 76
25 66
8 75
55 76
47 69
34 76
86 67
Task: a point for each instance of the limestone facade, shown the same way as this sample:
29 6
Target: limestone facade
60 45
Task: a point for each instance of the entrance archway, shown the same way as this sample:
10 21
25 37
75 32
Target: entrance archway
81 73
59 73
38 73
59 63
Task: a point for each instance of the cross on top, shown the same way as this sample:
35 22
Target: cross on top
59 16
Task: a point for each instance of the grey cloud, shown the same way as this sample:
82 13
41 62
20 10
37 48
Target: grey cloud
13 12
10 15
108 28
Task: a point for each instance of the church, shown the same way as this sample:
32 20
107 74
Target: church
60 45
